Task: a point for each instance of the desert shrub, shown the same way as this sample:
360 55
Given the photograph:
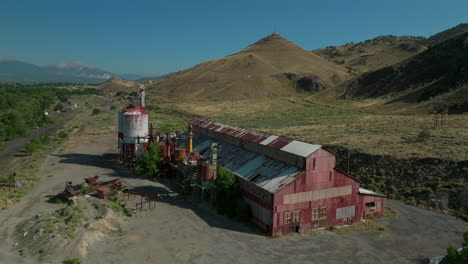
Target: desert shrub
423 136
35 144
72 261
121 93
63 134
58 198
96 111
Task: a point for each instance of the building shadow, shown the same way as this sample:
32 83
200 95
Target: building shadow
104 161
201 209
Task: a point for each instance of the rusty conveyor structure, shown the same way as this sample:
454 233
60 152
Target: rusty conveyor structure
150 198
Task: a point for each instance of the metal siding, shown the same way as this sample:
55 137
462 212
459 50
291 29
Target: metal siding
346 212
339 179
259 212
285 176
299 197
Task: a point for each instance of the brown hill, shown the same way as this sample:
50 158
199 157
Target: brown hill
446 34
373 54
437 77
273 66
116 84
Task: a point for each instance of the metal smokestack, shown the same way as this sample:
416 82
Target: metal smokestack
142 96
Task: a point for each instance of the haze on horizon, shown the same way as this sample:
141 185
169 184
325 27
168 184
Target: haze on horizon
165 36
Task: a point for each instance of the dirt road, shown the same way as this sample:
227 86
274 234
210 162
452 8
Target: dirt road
15 147
179 231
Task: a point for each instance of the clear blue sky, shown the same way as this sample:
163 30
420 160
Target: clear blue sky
166 36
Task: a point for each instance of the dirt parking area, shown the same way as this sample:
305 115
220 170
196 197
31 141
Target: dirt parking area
181 231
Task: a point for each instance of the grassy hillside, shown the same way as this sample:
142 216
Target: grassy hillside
446 34
273 66
374 53
437 77
117 84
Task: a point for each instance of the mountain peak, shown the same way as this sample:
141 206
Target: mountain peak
3 59
271 38
73 64
272 42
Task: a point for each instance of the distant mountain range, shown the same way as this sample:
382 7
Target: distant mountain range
436 78
383 51
73 71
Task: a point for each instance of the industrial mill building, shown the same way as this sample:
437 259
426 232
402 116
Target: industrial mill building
290 185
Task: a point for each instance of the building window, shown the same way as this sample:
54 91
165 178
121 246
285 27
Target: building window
287 218
323 212
292 217
296 217
319 213
315 213
370 208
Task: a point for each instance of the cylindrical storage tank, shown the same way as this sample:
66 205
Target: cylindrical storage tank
207 173
180 153
135 126
120 122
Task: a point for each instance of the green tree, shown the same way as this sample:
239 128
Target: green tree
458 257
62 98
228 197
150 162
225 179
59 107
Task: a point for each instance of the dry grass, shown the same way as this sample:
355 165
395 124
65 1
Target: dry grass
312 121
373 54
256 71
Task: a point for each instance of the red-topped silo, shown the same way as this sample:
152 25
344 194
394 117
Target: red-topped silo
133 130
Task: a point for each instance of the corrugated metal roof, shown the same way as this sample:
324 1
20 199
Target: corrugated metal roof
268 140
369 192
296 147
300 148
265 172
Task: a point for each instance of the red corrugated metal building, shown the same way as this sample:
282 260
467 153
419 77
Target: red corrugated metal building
290 185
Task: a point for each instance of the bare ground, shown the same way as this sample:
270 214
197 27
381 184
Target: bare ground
180 231
14 148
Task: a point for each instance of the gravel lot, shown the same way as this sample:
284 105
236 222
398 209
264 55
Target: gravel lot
179 231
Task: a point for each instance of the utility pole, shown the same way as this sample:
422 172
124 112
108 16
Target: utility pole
348 160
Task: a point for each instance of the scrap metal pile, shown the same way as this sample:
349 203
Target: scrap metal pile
92 185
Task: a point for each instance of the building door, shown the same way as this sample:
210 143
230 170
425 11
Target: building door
291 222
296 221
